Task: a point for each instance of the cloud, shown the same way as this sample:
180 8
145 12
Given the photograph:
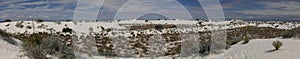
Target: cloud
276 8
33 3
87 10
289 6
22 9
169 8
230 3
64 9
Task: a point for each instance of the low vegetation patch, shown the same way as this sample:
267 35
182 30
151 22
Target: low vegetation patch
236 34
39 46
151 26
291 33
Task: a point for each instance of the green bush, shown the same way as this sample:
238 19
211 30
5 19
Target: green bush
277 44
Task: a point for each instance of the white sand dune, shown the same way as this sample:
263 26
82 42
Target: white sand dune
255 49
262 49
9 51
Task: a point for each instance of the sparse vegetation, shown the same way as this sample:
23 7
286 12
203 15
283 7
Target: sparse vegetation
151 26
37 46
277 44
291 33
32 47
287 34
138 39
234 35
19 24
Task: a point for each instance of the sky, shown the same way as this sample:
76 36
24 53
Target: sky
133 9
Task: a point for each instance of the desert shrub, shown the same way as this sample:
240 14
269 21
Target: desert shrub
151 26
287 34
91 30
65 30
200 23
38 46
277 44
31 47
178 49
3 33
51 30
84 45
69 20
75 22
53 46
41 26
276 26
19 24
7 20
159 27
28 27
197 19
58 22
108 53
39 20
245 40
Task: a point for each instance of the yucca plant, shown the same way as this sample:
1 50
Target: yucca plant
277 44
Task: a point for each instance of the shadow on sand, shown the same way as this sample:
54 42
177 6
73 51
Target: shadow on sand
270 50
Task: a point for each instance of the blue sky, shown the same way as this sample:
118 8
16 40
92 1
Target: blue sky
64 9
